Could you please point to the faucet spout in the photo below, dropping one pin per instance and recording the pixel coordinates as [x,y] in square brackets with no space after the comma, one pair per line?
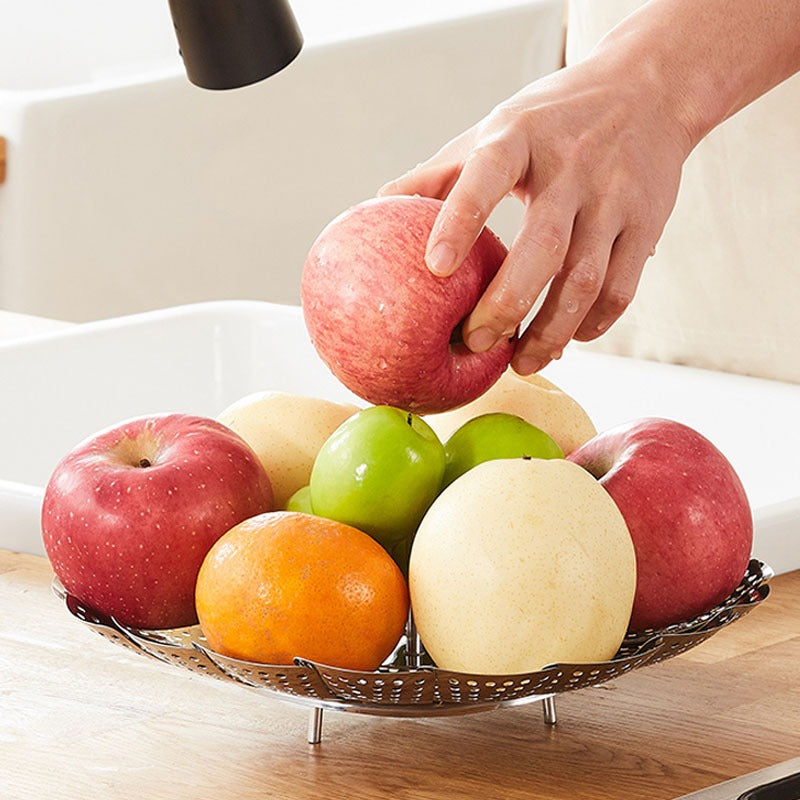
[226,44]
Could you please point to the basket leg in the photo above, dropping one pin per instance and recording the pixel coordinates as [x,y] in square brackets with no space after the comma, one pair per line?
[413,644]
[315,725]
[549,709]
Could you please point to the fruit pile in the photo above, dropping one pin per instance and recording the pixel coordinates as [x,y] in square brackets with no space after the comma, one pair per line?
[294,526]
[512,554]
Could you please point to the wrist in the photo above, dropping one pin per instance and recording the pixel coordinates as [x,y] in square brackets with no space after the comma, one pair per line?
[697,64]
[685,102]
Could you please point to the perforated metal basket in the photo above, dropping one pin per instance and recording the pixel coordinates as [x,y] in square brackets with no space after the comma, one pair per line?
[407,684]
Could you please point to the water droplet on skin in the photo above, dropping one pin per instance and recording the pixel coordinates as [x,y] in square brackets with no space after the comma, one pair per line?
[572,306]
[382,363]
[381,308]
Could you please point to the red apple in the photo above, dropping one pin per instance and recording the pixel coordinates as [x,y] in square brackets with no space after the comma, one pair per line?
[130,513]
[388,328]
[687,512]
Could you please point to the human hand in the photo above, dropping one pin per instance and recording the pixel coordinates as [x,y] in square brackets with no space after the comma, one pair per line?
[595,154]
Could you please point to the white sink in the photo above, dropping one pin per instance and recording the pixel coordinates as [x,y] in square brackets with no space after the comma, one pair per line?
[130,189]
[58,388]
[61,386]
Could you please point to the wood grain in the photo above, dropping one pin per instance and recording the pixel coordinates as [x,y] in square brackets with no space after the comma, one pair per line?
[81,718]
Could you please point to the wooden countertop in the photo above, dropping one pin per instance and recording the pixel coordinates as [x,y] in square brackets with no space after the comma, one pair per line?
[82,718]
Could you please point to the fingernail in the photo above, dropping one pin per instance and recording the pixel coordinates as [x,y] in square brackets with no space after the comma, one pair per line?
[442,259]
[527,365]
[481,339]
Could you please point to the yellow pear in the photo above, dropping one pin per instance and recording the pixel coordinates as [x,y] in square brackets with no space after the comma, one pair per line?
[531,397]
[521,563]
[286,431]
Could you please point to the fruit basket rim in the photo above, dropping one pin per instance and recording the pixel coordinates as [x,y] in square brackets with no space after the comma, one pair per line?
[400,688]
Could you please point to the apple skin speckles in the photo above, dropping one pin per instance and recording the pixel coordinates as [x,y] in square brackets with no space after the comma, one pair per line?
[687,512]
[129,539]
[385,325]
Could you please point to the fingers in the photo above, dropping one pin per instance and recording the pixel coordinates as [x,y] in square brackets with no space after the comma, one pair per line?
[488,174]
[427,179]
[592,270]
[471,174]
[591,267]
[436,176]
[628,257]
[470,193]
[536,255]
[586,297]
[590,220]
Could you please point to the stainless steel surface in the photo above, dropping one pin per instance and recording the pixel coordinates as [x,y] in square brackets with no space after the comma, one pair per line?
[549,709]
[408,684]
[733,789]
[315,725]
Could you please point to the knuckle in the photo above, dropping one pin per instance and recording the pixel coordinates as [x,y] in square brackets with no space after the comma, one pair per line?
[640,216]
[508,309]
[612,304]
[637,221]
[585,278]
[471,211]
[549,237]
[581,150]
[460,223]
[506,117]
[616,302]
[497,155]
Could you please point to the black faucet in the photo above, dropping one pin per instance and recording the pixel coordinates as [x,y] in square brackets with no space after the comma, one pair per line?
[226,44]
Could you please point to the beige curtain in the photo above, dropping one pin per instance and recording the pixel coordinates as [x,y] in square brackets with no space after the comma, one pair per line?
[723,290]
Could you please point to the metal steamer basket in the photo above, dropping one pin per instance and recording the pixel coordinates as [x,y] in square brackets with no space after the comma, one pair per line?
[408,684]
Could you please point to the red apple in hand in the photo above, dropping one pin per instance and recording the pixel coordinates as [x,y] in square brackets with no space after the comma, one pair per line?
[687,512]
[388,328]
[129,515]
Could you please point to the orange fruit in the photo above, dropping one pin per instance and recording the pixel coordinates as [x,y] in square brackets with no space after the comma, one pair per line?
[286,584]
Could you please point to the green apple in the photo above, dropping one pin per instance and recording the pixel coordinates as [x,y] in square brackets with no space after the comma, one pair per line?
[300,500]
[532,397]
[493,436]
[379,471]
[286,432]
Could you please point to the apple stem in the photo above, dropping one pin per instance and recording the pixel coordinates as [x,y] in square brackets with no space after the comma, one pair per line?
[144,463]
